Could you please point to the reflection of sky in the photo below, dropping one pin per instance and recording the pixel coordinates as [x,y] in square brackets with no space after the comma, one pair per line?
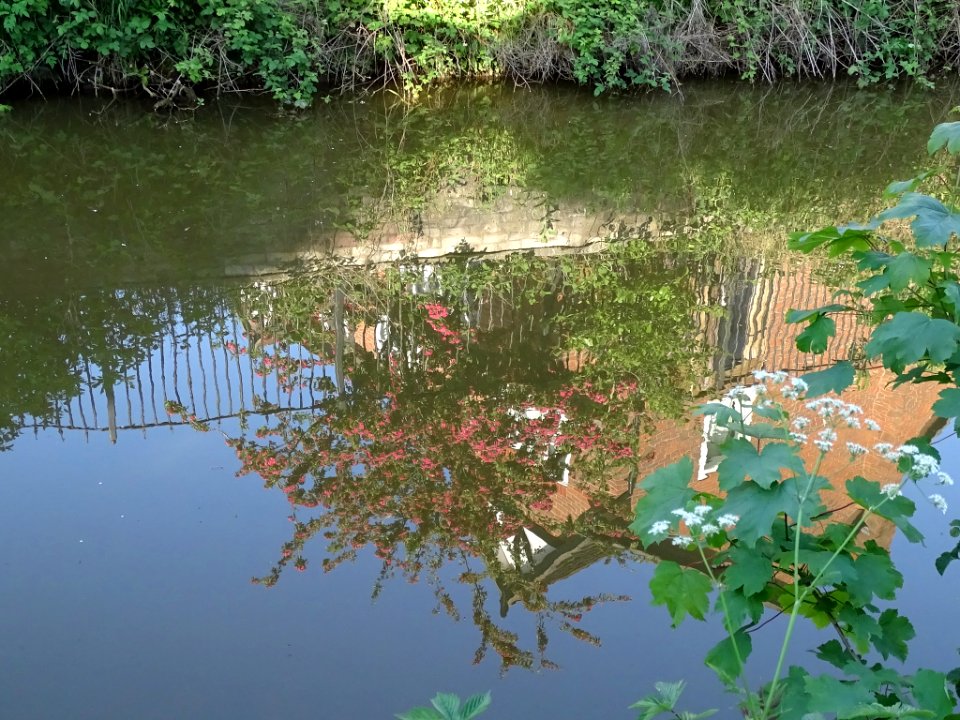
[126,593]
[152,615]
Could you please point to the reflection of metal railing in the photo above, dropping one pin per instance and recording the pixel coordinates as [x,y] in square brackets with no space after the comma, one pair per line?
[188,368]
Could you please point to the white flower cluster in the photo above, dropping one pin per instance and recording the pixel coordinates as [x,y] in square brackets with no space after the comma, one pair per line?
[921,466]
[792,387]
[698,522]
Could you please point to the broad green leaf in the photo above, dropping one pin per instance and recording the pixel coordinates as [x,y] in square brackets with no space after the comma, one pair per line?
[907,268]
[948,405]
[475,705]
[868,495]
[849,236]
[756,507]
[664,701]
[860,626]
[794,700]
[816,335]
[895,632]
[742,460]
[665,490]
[722,658]
[684,591]
[877,576]
[902,186]
[835,653]
[945,135]
[737,609]
[810,505]
[830,695]
[931,692]
[910,336]
[749,570]
[934,222]
[832,571]
[835,379]
[447,704]
[725,415]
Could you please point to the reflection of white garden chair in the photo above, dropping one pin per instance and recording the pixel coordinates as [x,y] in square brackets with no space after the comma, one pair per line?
[714,435]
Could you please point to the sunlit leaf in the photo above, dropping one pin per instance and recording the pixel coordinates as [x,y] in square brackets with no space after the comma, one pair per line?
[447,704]
[475,705]
[945,135]
[934,223]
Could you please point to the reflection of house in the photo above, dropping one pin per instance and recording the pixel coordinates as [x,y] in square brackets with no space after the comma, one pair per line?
[760,339]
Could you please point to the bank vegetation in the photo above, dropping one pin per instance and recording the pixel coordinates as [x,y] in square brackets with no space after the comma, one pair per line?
[296,50]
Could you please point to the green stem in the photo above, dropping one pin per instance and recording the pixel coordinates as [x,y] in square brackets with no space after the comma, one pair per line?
[728,626]
[797,598]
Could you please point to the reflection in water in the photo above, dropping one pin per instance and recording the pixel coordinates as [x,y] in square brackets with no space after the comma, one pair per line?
[491,416]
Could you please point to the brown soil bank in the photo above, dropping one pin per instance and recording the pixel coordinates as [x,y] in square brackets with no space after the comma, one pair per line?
[174,50]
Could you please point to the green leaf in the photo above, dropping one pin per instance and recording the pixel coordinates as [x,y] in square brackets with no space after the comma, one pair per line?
[420,713]
[447,704]
[945,135]
[737,609]
[757,509]
[665,490]
[897,711]
[951,291]
[722,658]
[902,186]
[835,653]
[934,222]
[816,335]
[895,632]
[684,591]
[741,460]
[810,505]
[868,495]
[907,268]
[910,336]
[664,701]
[948,405]
[835,379]
[931,692]
[846,237]
[749,570]
[796,316]
[475,705]
[876,575]
[829,695]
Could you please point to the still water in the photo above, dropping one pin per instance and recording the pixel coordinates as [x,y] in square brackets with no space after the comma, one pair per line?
[315,416]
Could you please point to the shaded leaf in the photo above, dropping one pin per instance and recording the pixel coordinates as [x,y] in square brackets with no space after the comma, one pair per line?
[749,570]
[910,336]
[475,705]
[948,405]
[722,657]
[816,335]
[945,135]
[867,494]
[684,591]
[835,379]
[931,692]
[665,490]
[895,632]
[827,694]
[742,460]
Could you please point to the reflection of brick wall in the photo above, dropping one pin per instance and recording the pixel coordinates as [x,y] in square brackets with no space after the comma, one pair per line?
[903,413]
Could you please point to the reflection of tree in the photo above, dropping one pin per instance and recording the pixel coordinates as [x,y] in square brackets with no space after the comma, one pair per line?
[54,347]
[440,434]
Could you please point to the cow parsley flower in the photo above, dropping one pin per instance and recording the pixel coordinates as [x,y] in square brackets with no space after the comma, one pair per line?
[681,540]
[939,503]
[709,529]
[891,490]
[660,527]
[692,519]
[800,422]
[922,466]
[856,449]
[798,437]
[872,425]
[727,520]
[702,510]
[944,479]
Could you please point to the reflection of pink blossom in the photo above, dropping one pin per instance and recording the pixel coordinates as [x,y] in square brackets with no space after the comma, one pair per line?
[436,311]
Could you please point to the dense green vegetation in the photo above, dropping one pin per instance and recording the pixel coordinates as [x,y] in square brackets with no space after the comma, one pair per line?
[294,48]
